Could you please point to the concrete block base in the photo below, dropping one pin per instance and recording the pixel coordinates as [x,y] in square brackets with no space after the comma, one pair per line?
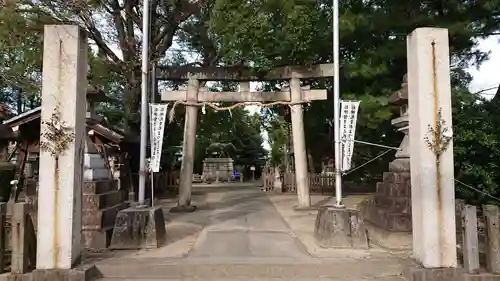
[183,209]
[340,228]
[97,239]
[139,228]
[434,274]
[16,277]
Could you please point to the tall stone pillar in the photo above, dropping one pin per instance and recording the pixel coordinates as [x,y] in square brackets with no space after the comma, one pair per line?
[62,147]
[188,150]
[432,178]
[299,145]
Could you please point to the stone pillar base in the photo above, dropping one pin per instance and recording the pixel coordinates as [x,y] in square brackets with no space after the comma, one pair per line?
[139,228]
[340,228]
[434,274]
[391,240]
[183,209]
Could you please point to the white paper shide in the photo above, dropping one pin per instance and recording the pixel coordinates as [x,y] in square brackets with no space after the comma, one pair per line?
[157,117]
[348,119]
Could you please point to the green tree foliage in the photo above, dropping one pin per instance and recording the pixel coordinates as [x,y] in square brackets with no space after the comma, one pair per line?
[114,27]
[20,60]
[234,133]
[373,62]
[476,146]
[278,137]
[265,34]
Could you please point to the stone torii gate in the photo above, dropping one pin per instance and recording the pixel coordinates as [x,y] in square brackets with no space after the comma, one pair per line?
[193,96]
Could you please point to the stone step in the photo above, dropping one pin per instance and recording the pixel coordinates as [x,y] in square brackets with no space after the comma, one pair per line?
[387,219]
[395,204]
[94,161]
[397,177]
[102,218]
[394,189]
[96,202]
[234,268]
[99,186]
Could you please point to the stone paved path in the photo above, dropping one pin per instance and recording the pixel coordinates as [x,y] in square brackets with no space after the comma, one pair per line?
[239,234]
[250,227]
[272,279]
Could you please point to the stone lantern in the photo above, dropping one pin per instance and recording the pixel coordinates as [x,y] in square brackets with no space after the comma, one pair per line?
[94,96]
[390,207]
[95,166]
[400,99]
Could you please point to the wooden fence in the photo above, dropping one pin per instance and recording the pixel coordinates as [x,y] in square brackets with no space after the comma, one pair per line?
[318,183]
[167,183]
[478,238]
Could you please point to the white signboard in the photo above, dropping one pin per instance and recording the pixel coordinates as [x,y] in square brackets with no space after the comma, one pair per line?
[157,118]
[348,118]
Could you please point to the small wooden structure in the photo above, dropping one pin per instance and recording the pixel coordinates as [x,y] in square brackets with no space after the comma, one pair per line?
[102,198]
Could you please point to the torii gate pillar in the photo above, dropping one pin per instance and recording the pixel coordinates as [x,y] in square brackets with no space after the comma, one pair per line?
[188,150]
[299,145]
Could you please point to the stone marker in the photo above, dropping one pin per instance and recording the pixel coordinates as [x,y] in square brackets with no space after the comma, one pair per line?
[340,228]
[61,155]
[139,229]
[432,175]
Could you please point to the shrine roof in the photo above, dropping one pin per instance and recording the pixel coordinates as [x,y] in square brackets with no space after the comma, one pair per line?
[35,114]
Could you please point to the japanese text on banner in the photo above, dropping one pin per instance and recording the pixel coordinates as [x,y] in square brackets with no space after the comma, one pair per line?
[157,117]
[348,118]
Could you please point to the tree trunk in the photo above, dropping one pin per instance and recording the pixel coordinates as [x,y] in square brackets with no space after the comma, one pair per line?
[19,100]
[132,104]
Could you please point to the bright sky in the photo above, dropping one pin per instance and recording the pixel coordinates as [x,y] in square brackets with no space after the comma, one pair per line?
[487,75]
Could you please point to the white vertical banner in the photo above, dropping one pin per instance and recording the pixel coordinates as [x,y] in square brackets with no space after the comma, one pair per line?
[157,118]
[348,119]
